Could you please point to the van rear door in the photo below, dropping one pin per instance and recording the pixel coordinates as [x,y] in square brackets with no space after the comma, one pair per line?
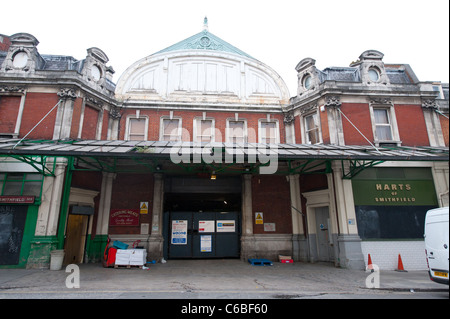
[436,244]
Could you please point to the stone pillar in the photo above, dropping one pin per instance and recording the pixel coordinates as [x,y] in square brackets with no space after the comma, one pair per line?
[289,121]
[247,239]
[20,113]
[52,188]
[299,246]
[63,121]
[156,240]
[440,172]
[45,239]
[105,203]
[113,124]
[350,252]
[432,122]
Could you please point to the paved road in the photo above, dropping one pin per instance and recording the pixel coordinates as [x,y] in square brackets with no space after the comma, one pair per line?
[216,279]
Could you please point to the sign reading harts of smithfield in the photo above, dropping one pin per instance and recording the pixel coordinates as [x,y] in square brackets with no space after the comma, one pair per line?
[124,217]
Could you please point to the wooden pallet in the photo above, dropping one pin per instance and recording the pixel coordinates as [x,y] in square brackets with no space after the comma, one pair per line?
[128,266]
[260,262]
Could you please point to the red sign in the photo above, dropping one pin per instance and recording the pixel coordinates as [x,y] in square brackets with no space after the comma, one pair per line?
[124,217]
[16,199]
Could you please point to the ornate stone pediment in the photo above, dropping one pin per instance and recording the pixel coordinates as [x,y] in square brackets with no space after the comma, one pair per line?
[429,103]
[332,101]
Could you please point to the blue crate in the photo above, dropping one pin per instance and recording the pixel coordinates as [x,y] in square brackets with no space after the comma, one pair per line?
[260,262]
[119,245]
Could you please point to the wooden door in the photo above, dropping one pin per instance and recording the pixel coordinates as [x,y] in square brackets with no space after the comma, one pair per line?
[75,239]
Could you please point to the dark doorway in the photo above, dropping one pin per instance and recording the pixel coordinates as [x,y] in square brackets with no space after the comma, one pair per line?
[202,217]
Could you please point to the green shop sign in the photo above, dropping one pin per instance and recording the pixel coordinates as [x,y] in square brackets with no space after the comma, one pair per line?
[394,192]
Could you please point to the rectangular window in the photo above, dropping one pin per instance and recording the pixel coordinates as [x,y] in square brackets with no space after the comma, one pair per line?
[171,130]
[17,184]
[268,132]
[236,132]
[204,130]
[383,128]
[136,129]
[312,129]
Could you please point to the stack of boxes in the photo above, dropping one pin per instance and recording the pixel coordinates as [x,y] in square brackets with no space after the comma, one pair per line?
[131,257]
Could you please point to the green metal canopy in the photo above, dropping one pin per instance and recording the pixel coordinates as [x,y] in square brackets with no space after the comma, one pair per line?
[189,157]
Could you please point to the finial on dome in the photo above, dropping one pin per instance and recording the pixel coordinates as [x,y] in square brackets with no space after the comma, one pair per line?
[205,24]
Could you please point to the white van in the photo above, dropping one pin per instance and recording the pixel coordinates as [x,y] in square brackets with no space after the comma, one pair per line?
[436,244]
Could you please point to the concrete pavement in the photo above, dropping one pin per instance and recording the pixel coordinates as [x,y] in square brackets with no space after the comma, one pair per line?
[218,279]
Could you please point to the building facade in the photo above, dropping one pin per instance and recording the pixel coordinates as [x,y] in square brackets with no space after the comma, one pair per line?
[199,151]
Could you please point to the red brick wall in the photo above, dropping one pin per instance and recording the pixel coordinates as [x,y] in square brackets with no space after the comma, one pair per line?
[271,196]
[298,130]
[324,127]
[139,188]
[105,125]
[4,43]
[359,115]
[188,120]
[445,128]
[9,108]
[76,118]
[411,125]
[35,108]
[89,123]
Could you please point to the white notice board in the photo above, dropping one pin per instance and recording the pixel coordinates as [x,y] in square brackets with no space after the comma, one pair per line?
[206,226]
[226,226]
[205,243]
[179,232]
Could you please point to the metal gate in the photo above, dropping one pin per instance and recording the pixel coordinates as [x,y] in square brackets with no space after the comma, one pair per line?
[12,225]
[203,235]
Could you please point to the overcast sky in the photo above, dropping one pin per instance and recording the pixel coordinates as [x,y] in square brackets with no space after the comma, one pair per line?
[278,33]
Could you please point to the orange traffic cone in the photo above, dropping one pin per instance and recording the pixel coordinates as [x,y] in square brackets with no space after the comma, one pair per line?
[400,264]
[369,264]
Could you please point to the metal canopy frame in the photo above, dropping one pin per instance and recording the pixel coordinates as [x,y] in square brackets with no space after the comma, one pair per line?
[153,156]
[38,162]
[356,167]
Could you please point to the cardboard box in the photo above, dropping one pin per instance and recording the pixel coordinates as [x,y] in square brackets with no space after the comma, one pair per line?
[285,259]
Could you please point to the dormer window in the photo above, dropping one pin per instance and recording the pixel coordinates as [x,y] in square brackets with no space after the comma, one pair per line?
[20,59]
[96,73]
[307,80]
[374,75]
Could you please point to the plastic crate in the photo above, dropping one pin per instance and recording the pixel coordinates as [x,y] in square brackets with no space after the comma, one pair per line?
[119,245]
[260,262]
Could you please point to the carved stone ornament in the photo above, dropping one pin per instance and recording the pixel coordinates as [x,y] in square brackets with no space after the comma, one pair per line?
[289,118]
[11,89]
[114,113]
[332,101]
[204,43]
[309,108]
[429,103]
[67,93]
[381,101]
[94,101]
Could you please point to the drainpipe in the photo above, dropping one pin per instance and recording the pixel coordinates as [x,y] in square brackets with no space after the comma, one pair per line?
[65,202]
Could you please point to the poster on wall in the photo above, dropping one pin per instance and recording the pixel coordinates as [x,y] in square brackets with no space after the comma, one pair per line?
[206,226]
[124,217]
[206,243]
[179,232]
[226,226]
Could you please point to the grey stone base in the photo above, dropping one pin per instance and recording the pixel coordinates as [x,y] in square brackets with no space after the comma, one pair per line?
[350,252]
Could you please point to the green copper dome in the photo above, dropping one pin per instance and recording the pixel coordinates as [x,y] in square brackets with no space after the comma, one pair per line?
[205,40]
